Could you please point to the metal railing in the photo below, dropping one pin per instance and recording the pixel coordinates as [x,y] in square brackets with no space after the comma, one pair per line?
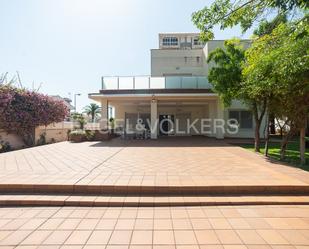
[147,82]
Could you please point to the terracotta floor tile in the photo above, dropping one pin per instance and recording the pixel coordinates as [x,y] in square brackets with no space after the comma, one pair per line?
[219,223]
[185,237]
[206,237]
[200,223]
[180,224]
[187,247]
[78,237]
[35,238]
[99,237]
[141,237]
[250,237]
[32,224]
[14,238]
[272,237]
[87,224]
[117,247]
[162,224]
[120,237]
[51,224]
[125,224]
[94,246]
[57,237]
[143,224]
[258,223]
[140,247]
[163,237]
[228,237]
[163,247]
[106,224]
[211,247]
[69,224]
[294,237]
[234,247]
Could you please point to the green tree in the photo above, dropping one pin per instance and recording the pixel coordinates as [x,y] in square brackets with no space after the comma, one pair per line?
[93,110]
[79,117]
[277,67]
[228,13]
[226,78]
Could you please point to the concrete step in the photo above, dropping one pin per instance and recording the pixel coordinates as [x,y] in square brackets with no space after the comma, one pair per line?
[146,201]
[70,189]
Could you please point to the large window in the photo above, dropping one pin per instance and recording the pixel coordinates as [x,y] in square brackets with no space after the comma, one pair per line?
[244,118]
[170,41]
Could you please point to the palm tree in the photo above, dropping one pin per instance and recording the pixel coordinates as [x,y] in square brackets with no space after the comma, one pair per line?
[92,110]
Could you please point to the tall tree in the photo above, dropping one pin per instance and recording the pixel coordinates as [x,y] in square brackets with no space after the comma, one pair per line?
[228,13]
[277,66]
[226,77]
[93,110]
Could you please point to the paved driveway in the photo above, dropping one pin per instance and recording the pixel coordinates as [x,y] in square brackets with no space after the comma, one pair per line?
[164,162]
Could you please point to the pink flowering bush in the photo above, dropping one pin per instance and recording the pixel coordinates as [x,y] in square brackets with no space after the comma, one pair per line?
[21,111]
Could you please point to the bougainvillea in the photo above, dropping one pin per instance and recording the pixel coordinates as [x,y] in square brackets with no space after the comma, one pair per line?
[21,111]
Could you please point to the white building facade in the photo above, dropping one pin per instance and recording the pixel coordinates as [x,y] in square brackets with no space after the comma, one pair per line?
[177,99]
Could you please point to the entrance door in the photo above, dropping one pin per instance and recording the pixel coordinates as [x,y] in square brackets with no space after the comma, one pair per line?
[166,125]
[182,122]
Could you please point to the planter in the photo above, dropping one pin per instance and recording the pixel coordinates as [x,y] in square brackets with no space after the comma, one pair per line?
[77,138]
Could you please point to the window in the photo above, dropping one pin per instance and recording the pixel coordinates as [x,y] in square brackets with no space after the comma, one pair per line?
[170,41]
[197,41]
[244,118]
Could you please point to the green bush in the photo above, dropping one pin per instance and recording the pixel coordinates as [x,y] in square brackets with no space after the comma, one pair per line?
[81,135]
[89,135]
[5,146]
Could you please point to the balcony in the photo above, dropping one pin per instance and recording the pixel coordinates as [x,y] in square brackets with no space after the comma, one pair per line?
[146,82]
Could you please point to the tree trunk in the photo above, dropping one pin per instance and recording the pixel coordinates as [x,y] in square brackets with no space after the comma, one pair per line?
[285,141]
[284,144]
[272,124]
[302,145]
[257,136]
[267,136]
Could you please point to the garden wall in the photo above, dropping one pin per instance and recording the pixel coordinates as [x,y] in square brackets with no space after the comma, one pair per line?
[14,140]
[57,132]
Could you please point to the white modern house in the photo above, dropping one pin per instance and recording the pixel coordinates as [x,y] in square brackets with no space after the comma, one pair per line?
[177,99]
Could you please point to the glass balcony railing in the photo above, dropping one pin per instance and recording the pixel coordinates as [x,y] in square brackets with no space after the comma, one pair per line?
[145,82]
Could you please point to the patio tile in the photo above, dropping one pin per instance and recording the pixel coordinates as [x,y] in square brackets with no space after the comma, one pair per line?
[163,237]
[185,237]
[228,237]
[57,237]
[78,238]
[120,237]
[162,224]
[272,237]
[206,237]
[141,237]
[99,237]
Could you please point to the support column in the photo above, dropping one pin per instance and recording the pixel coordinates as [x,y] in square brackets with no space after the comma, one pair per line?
[104,115]
[219,122]
[154,119]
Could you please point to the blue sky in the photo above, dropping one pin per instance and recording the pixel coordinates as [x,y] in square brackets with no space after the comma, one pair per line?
[67,45]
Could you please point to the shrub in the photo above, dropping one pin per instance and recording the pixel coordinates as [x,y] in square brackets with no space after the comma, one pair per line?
[81,135]
[5,146]
[42,139]
[22,110]
[90,135]
[80,119]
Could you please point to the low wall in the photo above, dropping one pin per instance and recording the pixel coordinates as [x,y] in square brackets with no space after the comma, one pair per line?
[57,132]
[14,140]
